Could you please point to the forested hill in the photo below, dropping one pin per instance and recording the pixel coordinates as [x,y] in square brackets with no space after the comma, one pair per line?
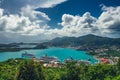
[88,40]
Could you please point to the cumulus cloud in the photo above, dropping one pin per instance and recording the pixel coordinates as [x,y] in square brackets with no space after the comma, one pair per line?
[23,21]
[107,24]
[25,27]
[32,14]
[18,4]
[29,24]
[79,25]
[23,24]
[109,21]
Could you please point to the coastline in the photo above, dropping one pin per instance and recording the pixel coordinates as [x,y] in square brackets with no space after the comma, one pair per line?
[96,58]
[55,54]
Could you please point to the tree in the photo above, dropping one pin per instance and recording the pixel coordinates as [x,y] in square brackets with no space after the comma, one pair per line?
[118,67]
[30,71]
[73,71]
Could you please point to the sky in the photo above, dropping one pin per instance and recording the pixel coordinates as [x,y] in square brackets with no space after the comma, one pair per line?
[40,20]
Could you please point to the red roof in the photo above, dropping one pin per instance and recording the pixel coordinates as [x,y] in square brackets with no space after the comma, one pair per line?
[105,60]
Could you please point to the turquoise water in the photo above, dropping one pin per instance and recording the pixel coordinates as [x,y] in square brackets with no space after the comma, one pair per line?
[61,53]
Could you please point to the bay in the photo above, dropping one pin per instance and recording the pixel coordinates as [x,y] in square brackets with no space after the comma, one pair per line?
[61,53]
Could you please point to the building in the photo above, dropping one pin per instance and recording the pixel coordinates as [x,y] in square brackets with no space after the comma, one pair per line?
[105,60]
[102,55]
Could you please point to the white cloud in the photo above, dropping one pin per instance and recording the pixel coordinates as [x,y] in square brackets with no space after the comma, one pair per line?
[109,21]
[23,21]
[78,25]
[18,4]
[30,25]
[48,3]
[25,27]
[28,11]
[1,12]
[23,24]
[107,24]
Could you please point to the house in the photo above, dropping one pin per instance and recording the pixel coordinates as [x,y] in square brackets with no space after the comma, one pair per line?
[102,55]
[105,60]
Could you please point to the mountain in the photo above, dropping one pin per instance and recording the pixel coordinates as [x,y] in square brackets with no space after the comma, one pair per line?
[87,41]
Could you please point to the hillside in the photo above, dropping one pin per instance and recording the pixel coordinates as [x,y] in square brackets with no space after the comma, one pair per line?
[21,69]
[87,41]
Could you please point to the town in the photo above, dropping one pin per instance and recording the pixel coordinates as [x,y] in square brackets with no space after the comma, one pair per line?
[102,55]
[52,61]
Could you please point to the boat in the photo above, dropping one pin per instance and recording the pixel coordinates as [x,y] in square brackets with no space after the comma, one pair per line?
[27,55]
[49,59]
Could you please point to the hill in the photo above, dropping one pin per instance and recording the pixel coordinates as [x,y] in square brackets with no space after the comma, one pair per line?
[85,41]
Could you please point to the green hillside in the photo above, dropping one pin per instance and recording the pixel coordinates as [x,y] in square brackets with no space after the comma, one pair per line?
[85,41]
[28,70]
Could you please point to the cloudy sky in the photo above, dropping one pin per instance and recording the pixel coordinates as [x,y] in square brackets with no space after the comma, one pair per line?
[36,20]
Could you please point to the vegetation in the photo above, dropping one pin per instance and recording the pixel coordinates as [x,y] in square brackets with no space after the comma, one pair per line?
[113,53]
[20,69]
[16,47]
[88,41]
[108,53]
[10,49]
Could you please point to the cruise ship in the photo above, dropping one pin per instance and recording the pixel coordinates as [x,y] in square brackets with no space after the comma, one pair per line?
[27,55]
[49,59]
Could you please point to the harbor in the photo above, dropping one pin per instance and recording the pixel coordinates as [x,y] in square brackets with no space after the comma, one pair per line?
[61,53]
[53,61]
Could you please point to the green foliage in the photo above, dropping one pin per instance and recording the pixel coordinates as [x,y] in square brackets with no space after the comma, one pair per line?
[29,70]
[114,53]
[87,41]
[118,67]
[100,72]
[73,71]
[116,78]
[8,69]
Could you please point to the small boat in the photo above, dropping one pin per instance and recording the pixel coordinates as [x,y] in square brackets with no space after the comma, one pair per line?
[89,59]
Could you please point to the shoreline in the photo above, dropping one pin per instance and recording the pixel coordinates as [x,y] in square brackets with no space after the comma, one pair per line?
[57,47]
[96,58]
[17,49]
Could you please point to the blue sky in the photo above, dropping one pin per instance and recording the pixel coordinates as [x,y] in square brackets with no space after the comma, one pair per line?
[37,20]
[76,7]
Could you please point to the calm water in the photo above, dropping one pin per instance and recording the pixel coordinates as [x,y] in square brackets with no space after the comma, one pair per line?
[61,53]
